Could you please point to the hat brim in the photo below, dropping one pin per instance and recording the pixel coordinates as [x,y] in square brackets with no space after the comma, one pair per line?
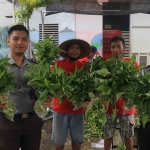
[85,47]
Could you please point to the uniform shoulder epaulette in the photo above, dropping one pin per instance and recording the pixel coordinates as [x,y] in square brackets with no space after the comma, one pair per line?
[33,60]
[147,66]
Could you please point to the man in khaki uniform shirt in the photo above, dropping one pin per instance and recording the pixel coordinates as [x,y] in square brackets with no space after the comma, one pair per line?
[25,132]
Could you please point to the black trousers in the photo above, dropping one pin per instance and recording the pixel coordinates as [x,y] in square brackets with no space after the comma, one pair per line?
[23,133]
[144,137]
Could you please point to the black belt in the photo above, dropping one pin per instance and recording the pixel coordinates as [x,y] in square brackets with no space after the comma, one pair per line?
[25,115]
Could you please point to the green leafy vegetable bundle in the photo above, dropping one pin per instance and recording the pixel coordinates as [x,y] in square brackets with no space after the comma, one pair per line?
[6,84]
[47,51]
[48,83]
[142,96]
[96,119]
[44,80]
[55,82]
[114,79]
[121,147]
[81,84]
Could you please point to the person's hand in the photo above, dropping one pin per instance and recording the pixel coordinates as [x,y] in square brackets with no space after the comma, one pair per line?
[3,103]
[48,102]
[135,113]
[86,103]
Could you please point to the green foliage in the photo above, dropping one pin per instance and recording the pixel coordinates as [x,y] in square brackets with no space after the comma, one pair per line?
[47,50]
[29,6]
[6,79]
[121,147]
[55,82]
[143,99]
[10,110]
[6,84]
[137,121]
[48,82]
[81,84]
[96,119]
[115,78]
[105,80]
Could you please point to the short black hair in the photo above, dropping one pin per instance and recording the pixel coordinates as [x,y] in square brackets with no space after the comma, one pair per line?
[117,38]
[16,28]
[94,49]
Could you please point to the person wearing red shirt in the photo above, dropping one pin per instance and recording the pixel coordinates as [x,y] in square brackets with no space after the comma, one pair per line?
[90,57]
[65,117]
[126,117]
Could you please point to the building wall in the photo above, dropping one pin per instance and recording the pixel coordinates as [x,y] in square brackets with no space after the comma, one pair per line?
[87,27]
[117,25]
[140,33]
[139,37]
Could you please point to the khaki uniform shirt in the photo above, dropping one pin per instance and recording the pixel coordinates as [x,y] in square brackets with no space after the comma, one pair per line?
[21,95]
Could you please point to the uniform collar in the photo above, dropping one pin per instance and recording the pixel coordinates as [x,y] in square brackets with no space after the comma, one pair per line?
[12,61]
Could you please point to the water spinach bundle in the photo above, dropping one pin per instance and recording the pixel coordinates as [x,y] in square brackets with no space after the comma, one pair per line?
[142,96]
[6,84]
[81,83]
[115,79]
[52,81]
[41,78]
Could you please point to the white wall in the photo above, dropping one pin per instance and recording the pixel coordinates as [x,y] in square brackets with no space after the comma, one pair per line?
[88,26]
[140,33]
[5,10]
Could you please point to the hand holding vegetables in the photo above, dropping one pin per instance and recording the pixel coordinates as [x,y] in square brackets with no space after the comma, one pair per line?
[3,102]
[48,102]
[6,84]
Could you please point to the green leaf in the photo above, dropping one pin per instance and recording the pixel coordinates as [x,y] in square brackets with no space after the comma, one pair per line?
[39,108]
[147,94]
[91,95]
[109,92]
[46,83]
[118,95]
[103,88]
[145,118]
[103,72]
[114,114]
[133,58]
[44,95]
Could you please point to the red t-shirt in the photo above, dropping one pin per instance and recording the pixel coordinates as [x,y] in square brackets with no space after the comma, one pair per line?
[67,107]
[85,59]
[120,103]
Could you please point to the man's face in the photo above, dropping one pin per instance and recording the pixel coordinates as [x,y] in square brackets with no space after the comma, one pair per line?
[74,50]
[18,42]
[117,49]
